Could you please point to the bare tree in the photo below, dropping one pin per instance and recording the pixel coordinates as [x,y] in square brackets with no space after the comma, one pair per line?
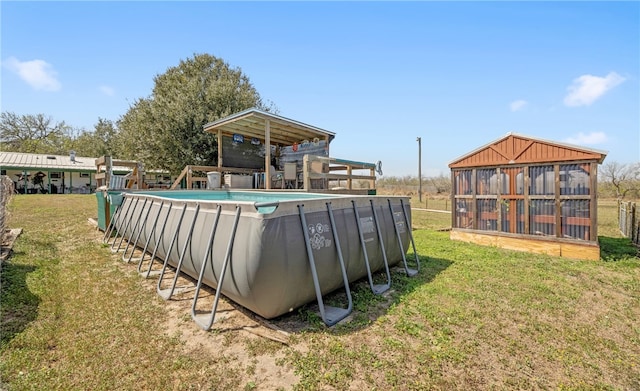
[442,184]
[624,178]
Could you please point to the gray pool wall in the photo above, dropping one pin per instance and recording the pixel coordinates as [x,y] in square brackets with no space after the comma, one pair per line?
[269,271]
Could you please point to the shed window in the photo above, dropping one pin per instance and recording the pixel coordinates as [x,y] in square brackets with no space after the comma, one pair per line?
[486,181]
[576,219]
[512,181]
[464,213]
[487,215]
[542,180]
[462,182]
[574,179]
[512,212]
[542,217]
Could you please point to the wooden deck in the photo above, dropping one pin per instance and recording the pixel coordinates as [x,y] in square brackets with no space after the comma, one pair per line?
[318,174]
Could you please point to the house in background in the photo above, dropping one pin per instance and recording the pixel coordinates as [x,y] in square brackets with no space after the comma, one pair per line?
[34,173]
[54,174]
[529,194]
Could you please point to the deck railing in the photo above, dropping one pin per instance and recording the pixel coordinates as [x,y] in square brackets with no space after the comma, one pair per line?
[318,174]
[190,175]
[333,174]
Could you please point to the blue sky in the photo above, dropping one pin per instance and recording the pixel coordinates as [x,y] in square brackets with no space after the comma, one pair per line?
[378,74]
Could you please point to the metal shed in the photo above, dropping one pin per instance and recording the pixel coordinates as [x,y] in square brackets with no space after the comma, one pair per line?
[525,193]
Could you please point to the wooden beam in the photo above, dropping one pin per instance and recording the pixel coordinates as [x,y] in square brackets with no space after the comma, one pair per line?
[576,250]
[527,146]
[179,178]
[499,152]
[220,148]
[267,157]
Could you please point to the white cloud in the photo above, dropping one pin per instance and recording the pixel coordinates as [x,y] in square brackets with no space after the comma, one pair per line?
[38,74]
[517,105]
[109,91]
[586,89]
[592,138]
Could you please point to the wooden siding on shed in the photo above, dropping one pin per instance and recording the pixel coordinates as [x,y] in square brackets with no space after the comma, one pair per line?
[518,149]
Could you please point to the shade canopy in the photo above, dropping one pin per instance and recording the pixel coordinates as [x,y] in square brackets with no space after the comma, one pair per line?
[252,123]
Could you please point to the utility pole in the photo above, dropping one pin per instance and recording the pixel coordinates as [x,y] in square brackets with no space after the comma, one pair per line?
[419,140]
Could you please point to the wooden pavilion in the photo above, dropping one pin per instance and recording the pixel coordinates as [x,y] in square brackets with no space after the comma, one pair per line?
[525,193]
[270,133]
[261,150]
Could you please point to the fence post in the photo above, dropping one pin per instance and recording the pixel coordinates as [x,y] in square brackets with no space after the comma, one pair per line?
[633,221]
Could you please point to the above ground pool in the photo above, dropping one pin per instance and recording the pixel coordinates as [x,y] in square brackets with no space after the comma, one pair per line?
[273,251]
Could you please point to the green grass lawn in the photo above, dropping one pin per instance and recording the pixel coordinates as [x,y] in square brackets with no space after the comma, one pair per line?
[75,317]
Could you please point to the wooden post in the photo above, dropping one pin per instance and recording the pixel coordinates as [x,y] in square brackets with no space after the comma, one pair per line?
[176,183]
[306,168]
[372,183]
[474,200]
[139,178]
[630,213]
[219,148]
[593,204]
[635,226]
[267,155]
[556,173]
[453,198]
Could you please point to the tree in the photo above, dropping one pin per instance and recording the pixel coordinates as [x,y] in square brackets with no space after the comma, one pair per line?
[441,184]
[624,178]
[165,130]
[102,141]
[33,134]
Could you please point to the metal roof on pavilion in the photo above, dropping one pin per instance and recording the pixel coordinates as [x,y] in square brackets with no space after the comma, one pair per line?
[264,126]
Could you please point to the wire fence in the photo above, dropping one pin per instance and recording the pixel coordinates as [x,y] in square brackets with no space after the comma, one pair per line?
[628,221]
[6,191]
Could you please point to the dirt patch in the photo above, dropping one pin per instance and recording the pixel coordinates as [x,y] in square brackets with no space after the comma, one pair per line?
[255,345]
[8,239]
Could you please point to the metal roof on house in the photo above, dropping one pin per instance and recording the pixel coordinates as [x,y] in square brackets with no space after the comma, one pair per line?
[518,148]
[252,123]
[46,162]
